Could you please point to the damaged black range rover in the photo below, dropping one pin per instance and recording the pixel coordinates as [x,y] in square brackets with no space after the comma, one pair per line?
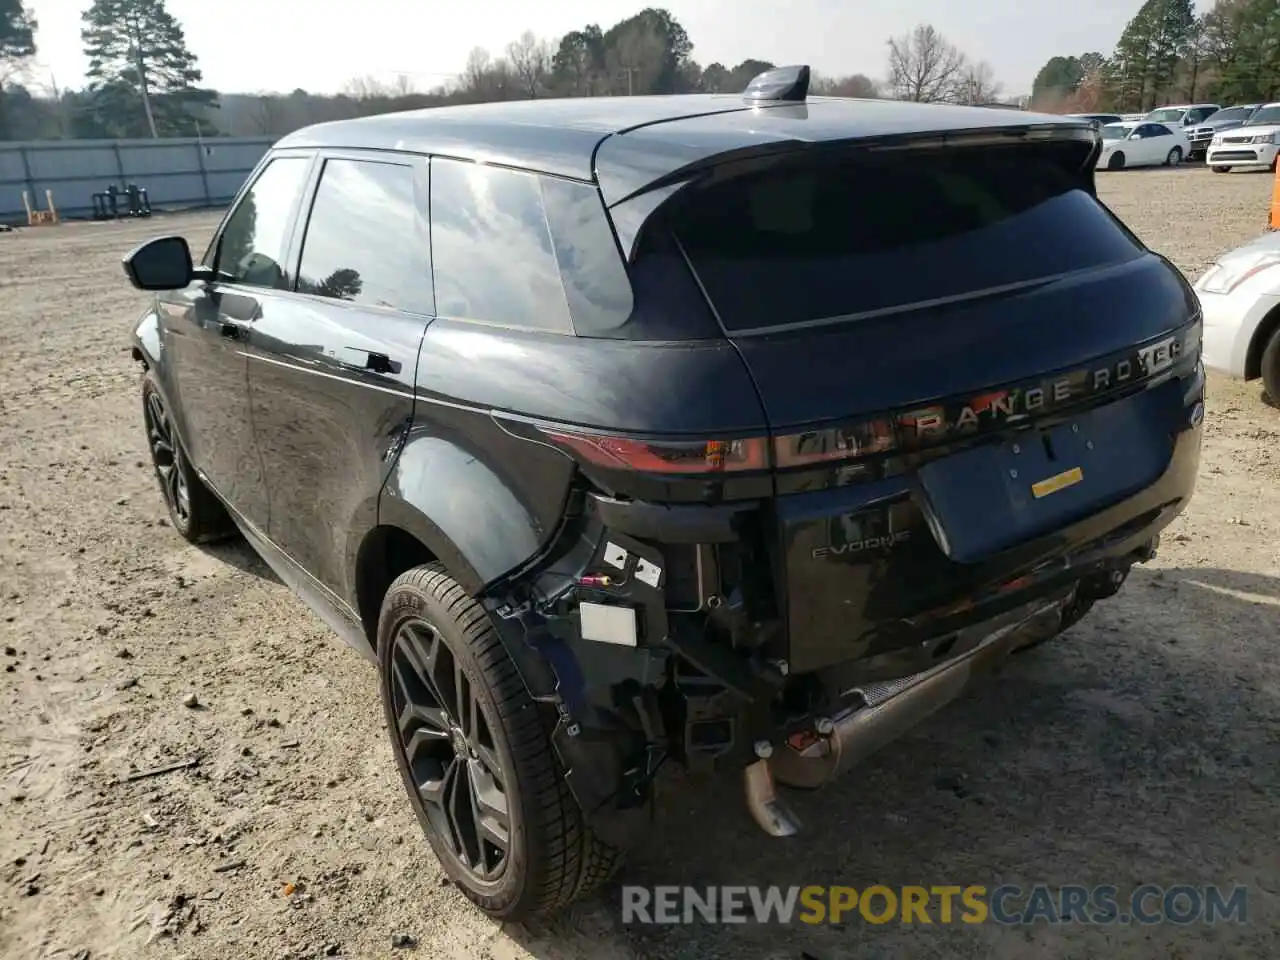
[733,431]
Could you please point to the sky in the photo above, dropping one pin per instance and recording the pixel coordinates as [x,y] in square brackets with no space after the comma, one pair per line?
[249,46]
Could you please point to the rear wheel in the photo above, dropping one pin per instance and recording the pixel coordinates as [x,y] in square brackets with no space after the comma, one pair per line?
[193,510]
[1271,367]
[475,755]
[1174,158]
[1116,162]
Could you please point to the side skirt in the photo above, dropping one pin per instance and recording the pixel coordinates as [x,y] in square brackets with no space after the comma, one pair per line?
[330,608]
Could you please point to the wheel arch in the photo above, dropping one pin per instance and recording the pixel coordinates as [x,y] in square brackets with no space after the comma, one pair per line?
[1262,333]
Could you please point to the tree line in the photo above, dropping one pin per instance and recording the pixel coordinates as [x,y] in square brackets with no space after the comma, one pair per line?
[143,81]
[1167,53]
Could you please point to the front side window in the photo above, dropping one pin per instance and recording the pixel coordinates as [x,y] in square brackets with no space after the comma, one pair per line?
[491,248]
[362,243]
[251,247]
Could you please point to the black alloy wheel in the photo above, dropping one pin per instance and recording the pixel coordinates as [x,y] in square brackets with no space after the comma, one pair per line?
[448,744]
[194,512]
[474,751]
[167,457]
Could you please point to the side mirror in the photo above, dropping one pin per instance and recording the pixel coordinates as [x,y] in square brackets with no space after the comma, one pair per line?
[160,264]
[1135,136]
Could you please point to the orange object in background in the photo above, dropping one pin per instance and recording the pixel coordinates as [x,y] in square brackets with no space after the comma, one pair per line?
[1275,201]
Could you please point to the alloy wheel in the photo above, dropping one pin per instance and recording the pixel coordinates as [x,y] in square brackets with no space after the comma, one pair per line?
[449,748]
[167,457]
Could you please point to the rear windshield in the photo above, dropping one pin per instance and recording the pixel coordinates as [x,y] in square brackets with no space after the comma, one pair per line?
[858,236]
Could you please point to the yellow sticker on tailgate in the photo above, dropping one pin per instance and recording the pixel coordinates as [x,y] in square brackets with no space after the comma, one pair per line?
[1059,481]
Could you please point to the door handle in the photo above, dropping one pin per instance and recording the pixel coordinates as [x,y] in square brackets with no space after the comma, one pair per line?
[377,362]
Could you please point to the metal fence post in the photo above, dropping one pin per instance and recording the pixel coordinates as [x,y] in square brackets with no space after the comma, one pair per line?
[204,172]
[28,181]
[115,148]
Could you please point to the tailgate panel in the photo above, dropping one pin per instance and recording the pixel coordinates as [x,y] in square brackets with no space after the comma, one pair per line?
[991,497]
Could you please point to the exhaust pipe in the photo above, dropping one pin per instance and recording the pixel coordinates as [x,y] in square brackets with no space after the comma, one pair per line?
[891,708]
[769,811]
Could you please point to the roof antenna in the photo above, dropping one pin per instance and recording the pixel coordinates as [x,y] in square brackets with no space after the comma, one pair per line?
[780,85]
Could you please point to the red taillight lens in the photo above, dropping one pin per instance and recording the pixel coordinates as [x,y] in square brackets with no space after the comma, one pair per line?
[836,443]
[665,456]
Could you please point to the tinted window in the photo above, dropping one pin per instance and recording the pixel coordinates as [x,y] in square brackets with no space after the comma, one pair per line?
[491,249]
[830,242]
[595,280]
[361,242]
[251,248]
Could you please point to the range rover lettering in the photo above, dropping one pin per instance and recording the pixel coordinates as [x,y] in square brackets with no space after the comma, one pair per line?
[735,432]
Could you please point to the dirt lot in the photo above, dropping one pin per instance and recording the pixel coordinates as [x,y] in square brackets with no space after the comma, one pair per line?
[1143,748]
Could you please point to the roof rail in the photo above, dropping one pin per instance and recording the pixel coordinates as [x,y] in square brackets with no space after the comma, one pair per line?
[782,84]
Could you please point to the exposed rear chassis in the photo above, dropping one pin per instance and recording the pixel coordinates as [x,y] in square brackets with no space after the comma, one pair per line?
[886,710]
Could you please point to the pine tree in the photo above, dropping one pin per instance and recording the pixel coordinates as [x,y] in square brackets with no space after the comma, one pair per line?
[143,77]
[17,32]
[1142,70]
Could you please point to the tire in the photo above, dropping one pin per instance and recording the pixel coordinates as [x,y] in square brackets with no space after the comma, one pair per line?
[1271,367]
[1174,158]
[194,511]
[437,650]
[1219,168]
[1116,162]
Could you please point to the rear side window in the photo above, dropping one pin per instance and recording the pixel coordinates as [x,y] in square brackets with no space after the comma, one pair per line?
[491,248]
[251,248]
[361,242]
[830,242]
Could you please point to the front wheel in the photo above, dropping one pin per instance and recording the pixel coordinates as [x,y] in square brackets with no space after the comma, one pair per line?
[1174,158]
[476,757]
[1116,162]
[1220,168]
[1271,367]
[193,510]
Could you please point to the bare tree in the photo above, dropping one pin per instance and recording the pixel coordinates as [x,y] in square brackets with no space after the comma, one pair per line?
[977,84]
[267,117]
[475,74]
[855,85]
[530,60]
[924,66]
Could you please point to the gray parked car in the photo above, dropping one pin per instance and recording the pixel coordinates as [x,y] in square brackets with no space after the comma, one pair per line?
[1228,118]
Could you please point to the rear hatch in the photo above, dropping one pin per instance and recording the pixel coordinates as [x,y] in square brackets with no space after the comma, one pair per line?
[967,364]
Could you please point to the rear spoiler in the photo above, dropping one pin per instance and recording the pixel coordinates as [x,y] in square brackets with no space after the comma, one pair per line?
[638,205]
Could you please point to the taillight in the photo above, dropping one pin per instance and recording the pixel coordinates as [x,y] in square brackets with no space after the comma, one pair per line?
[665,456]
[701,457]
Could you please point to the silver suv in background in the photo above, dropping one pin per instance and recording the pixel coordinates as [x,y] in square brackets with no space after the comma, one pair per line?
[1228,118]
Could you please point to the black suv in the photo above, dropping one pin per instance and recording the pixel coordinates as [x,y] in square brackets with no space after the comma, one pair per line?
[738,431]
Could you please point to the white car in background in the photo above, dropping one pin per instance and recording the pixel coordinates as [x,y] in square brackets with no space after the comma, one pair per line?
[1254,145]
[1142,144]
[1240,297]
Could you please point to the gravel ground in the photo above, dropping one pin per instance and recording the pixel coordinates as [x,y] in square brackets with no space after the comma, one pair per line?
[1142,748]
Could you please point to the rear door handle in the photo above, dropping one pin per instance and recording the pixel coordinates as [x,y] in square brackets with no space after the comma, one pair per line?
[377,362]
